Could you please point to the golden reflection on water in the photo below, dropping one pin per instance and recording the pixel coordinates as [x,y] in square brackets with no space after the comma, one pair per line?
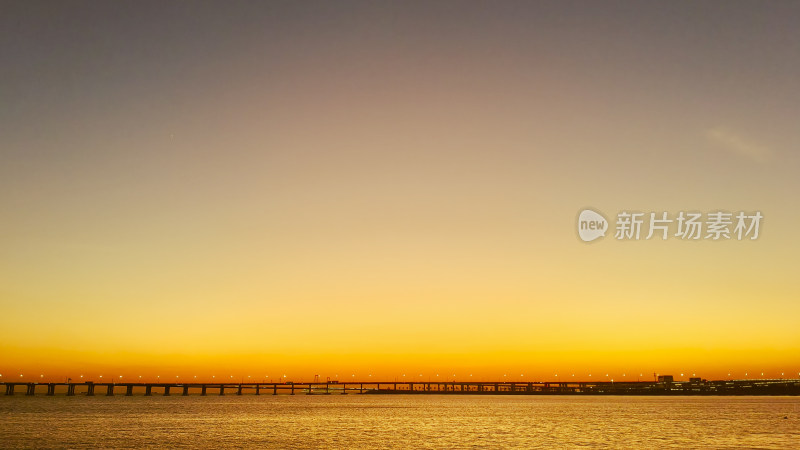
[399,421]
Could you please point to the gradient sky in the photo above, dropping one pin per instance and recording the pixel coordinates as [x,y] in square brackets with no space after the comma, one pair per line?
[355,188]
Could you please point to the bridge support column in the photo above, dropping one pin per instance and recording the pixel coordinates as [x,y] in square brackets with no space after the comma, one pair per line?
[239,390]
[90,389]
[9,389]
[274,389]
[148,390]
[361,391]
[51,389]
[166,391]
[221,390]
[129,390]
[292,393]
[203,390]
[309,389]
[258,389]
[70,390]
[110,390]
[31,389]
[185,390]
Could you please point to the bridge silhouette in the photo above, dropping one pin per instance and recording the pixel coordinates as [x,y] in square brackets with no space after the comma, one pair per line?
[693,387]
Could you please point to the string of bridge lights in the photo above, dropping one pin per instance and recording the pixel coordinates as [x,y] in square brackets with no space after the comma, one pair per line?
[403,377]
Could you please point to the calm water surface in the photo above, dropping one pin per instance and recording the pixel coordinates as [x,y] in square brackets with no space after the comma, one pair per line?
[399,421]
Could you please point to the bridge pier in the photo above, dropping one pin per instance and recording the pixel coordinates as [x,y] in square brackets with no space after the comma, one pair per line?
[90,389]
[221,390]
[239,390]
[274,389]
[203,390]
[258,389]
[9,389]
[292,389]
[51,389]
[361,390]
[185,390]
[148,390]
[110,390]
[166,391]
[70,390]
[129,390]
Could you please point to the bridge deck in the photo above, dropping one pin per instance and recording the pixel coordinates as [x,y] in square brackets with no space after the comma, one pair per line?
[718,387]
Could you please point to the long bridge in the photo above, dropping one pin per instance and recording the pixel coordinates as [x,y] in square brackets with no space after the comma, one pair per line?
[695,386]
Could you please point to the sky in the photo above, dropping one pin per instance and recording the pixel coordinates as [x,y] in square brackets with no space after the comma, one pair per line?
[390,189]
